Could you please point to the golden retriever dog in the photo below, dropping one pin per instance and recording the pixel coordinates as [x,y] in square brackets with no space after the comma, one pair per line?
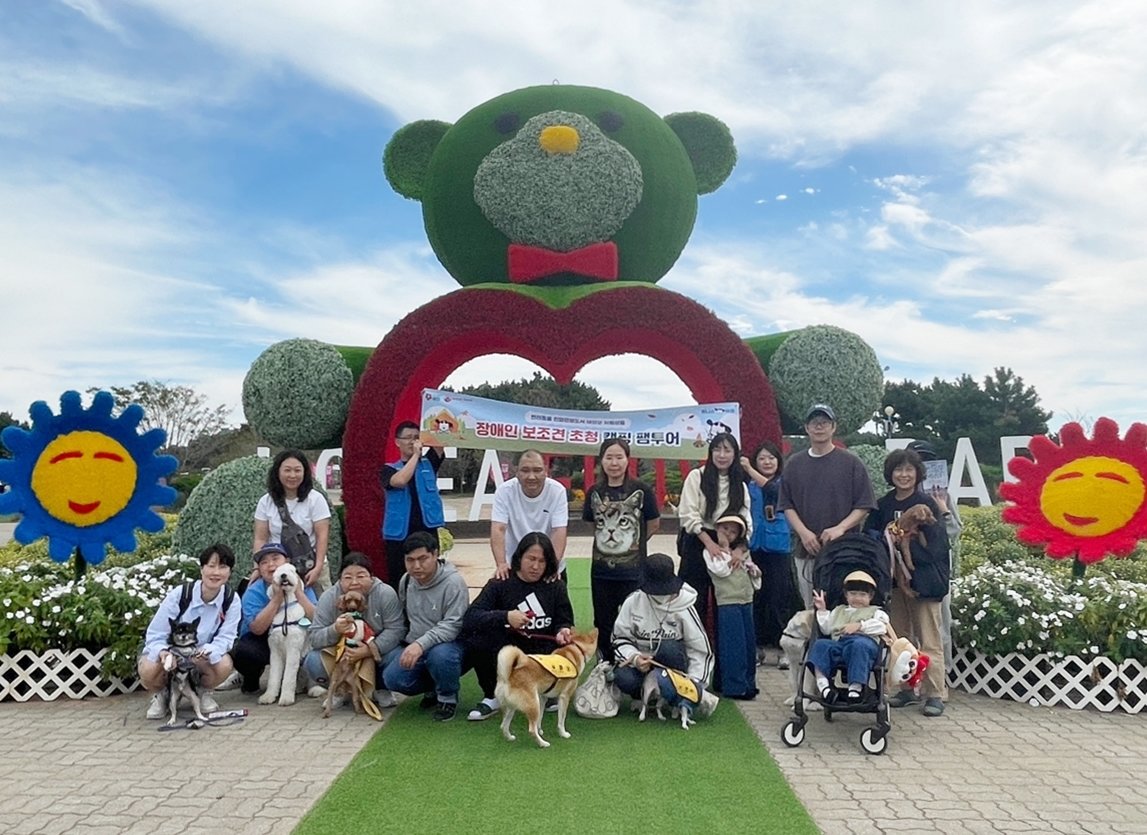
[525,681]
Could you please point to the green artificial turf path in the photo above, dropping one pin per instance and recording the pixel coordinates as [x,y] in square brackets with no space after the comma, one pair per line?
[613,775]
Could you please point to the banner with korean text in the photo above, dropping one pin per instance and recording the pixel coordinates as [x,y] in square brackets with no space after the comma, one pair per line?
[461,420]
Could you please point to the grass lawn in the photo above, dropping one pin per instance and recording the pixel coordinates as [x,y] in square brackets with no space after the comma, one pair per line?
[613,775]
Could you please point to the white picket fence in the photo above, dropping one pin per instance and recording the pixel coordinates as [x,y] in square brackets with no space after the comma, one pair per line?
[56,674]
[1075,682]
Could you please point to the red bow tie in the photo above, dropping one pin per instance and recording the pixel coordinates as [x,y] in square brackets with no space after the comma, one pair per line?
[528,263]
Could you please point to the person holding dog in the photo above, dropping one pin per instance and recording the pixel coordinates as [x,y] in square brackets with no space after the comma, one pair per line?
[526,610]
[261,600]
[218,624]
[658,624]
[412,499]
[915,607]
[434,599]
[291,496]
[383,615]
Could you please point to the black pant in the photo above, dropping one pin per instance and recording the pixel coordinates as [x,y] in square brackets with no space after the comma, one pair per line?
[693,571]
[484,659]
[251,654]
[608,595]
[777,600]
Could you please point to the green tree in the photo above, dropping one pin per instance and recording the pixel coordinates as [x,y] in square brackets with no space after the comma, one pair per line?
[7,420]
[182,412]
[944,411]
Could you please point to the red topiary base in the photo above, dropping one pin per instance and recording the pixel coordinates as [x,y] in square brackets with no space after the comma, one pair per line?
[431,342]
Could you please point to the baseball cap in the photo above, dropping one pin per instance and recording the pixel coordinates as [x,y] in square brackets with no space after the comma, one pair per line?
[925,450]
[270,548]
[820,409]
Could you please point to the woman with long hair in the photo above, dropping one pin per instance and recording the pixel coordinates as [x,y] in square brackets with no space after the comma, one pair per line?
[714,490]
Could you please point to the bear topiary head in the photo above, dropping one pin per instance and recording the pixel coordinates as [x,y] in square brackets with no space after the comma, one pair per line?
[560,185]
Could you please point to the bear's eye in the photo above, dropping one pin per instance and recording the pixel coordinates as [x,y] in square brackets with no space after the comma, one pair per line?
[507,123]
[610,121]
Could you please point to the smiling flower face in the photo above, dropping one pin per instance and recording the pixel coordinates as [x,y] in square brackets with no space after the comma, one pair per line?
[83,478]
[1085,497]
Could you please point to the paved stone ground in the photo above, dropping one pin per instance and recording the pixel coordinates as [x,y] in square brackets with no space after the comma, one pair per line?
[98,766]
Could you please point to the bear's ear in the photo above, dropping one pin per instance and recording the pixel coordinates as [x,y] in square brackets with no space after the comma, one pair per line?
[710,146]
[407,156]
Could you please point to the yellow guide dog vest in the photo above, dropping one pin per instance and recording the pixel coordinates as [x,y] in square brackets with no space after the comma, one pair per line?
[556,665]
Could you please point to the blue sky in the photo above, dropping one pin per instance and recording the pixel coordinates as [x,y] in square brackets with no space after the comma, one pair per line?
[183,184]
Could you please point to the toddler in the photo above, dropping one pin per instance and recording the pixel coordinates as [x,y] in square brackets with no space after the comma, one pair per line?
[735,578]
[855,628]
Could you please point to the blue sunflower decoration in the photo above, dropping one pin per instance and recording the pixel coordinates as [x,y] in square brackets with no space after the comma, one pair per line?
[83,478]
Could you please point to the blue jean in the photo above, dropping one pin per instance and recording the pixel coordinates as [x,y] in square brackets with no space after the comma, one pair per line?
[313,664]
[669,654]
[857,654]
[439,669]
[736,649]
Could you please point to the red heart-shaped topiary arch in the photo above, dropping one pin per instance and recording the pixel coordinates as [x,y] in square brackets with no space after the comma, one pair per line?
[431,342]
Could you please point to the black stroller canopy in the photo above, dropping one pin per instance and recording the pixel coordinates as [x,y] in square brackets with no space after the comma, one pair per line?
[852,552]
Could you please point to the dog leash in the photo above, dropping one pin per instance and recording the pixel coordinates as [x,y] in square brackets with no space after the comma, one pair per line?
[215,719]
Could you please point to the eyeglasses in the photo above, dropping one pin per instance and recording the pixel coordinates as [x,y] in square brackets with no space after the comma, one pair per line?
[820,423]
[409,437]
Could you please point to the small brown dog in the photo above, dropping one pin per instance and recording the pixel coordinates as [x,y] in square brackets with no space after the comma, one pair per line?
[900,534]
[354,631]
[524,680]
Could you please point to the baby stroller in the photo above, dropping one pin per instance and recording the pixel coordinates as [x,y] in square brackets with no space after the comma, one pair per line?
[837,560]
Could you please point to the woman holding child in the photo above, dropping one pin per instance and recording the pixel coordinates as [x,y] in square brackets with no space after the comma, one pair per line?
[717,489]
[916,597]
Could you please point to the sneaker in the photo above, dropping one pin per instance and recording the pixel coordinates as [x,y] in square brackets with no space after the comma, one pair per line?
[384,699]
[317,691]
[854,691]
[207,701]
[445,711]
[482,710]
[231,682]
[783,662]
[429,701]
[551,705]
[157,708]
[903,699]
[933,707]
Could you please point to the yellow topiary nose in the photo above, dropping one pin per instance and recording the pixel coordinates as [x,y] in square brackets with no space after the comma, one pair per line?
[559,139]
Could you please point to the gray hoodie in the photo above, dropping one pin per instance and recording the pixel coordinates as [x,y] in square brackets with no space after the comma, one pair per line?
[435,610]
[383,614]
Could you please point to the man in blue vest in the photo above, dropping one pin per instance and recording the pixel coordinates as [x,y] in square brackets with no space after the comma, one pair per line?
[412,500]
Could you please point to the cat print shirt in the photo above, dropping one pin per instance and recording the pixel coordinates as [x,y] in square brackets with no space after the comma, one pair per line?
[619,515]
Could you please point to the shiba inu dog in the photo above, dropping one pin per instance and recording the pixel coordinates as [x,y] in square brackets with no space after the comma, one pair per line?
[183,677]
[525,680]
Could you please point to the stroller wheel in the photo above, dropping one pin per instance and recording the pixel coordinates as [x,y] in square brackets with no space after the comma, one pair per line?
[873,741]
[792,734]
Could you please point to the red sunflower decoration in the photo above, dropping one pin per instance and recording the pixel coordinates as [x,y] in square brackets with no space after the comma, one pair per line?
[1083,497]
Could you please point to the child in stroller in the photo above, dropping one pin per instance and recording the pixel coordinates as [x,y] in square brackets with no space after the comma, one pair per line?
[844,568]
[856,627]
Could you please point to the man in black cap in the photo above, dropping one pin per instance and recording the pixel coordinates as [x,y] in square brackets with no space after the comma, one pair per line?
[826,492]
[262,598]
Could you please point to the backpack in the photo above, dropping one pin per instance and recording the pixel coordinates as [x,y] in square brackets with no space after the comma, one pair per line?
[185,601]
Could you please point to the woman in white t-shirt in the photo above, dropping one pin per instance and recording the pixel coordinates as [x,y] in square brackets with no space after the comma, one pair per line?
[289,482]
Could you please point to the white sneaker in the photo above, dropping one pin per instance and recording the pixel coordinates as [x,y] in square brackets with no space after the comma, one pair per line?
[207,701]
[231,682]
[384,699]
[157,708]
